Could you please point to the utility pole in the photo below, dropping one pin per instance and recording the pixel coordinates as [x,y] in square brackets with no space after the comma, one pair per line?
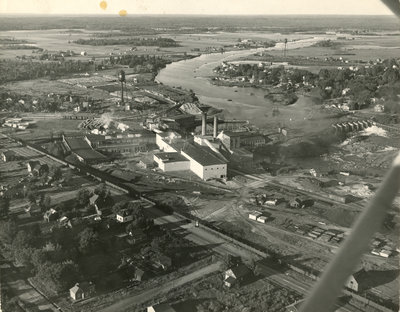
[121,77]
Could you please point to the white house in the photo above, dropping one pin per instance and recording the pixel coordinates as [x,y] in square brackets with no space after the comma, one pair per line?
[171,162]
[124,216]
[81,291]
[235,275]
[354,281]
[254,215]
[162,307]
[204,162]
[262,219]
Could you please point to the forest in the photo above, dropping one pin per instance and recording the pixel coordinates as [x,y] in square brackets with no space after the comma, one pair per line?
[16,70]
[146,42]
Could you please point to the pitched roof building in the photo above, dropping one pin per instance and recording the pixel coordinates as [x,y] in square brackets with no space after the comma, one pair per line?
[81,291]
[235,275]
[162,307]
[204,162]
[8,155]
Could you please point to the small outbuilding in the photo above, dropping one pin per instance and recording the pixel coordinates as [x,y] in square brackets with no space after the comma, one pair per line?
[355,280]
[82,291]
[8,156]
[124,215]
[162,307]
[254,215]
[236,275]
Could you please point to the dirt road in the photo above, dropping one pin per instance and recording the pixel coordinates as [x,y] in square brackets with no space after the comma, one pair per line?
[150,293]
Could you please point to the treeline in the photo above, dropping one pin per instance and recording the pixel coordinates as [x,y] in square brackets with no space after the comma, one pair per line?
[381,80]
[271,76]
[15,70]
[325,44]
[12,41]
[147,42]
[141,63]
[18,47]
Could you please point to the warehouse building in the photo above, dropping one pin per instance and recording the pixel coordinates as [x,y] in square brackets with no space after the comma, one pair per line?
[204,162]
[172,162]
[233,140]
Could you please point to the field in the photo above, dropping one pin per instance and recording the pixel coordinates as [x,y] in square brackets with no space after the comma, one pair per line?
[364,48]
[44,127]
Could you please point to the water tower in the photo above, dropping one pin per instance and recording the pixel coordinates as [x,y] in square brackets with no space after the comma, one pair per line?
[121,77]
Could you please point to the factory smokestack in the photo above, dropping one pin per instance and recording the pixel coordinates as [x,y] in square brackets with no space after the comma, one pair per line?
[203,123]
[215,129]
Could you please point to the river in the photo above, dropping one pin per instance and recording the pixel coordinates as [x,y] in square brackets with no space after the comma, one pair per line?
[246,103]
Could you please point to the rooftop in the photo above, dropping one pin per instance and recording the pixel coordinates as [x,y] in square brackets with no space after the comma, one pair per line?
[89,154]
[242,134]
[170,157]
[202,154]
[163,307]
[95,137]
[240,270]
[77,143]
[9,153]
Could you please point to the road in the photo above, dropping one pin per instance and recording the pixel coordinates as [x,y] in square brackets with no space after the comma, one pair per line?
[147,295]
[202,236]
[199,235]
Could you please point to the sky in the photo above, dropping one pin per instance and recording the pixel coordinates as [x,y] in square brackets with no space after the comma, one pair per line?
[220,7]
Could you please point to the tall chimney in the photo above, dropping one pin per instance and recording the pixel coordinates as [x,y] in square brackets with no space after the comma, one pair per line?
[215,132]
[203,123]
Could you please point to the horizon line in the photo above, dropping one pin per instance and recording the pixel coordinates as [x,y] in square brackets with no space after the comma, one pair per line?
[190,14]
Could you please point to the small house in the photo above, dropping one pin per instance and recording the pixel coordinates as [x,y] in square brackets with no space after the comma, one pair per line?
[262,219]
[254,215]
[140,275]
[146,164]
[97,204]
[236,275]
[32,165]
[163,261]
[36,168]
[82,291]
[8,156]
[355,281]
[296,203]
[162,307]
[136,236]
[124,216]
[50,215]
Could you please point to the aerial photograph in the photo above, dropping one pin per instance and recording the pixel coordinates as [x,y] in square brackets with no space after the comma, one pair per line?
[195,156]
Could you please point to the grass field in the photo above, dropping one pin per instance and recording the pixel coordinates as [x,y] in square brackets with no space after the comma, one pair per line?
[43,129]
[40,87]
[361,48]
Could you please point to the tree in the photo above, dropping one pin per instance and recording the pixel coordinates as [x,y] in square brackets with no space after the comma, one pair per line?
[58,276]
[83,197]
[8,230]
[45,202]
[4,207]
[88,239]
[21,247]
[38,258]
[31,197]
[57,174]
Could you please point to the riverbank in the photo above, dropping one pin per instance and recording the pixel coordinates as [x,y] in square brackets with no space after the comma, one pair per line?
[246,103]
